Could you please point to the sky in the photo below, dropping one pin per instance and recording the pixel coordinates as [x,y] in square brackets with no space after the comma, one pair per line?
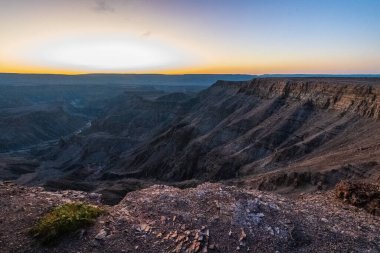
[190,36]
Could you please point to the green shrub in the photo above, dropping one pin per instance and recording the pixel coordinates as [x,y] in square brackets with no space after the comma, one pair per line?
[65,219]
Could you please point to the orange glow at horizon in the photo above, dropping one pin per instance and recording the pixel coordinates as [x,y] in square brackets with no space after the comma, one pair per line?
[306,68]
[189,37]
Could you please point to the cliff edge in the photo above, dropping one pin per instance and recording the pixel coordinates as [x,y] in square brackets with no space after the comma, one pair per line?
[209,218]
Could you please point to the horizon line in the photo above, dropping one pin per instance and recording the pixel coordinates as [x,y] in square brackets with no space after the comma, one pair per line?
[183,74]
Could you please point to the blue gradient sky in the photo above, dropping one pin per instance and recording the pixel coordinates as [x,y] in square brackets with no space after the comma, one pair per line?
[190,36]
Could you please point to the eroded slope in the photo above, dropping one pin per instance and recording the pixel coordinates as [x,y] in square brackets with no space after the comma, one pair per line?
[269,125]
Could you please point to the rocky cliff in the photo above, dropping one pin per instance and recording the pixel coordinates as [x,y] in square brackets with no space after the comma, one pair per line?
[322,129]
[360,96]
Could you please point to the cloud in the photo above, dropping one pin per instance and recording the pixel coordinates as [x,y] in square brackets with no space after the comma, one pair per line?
[146,34]
[103,6]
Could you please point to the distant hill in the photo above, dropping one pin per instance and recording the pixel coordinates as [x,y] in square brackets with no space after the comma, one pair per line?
[118,79]
[321,75]
[200,80]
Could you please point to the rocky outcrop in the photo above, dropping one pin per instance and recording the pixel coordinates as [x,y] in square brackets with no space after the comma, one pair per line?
[209,218]
[362,195]
[361,96]
[21,207]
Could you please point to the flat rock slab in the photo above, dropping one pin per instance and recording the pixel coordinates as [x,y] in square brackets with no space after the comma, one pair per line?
[209,218]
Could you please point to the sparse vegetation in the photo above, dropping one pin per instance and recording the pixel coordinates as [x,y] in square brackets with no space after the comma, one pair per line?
[65,219]
[361,195]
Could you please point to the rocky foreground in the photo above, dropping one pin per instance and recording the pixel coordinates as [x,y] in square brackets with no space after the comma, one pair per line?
[209,218]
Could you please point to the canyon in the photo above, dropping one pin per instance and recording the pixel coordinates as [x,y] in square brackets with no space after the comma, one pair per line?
[279,134]
[238,166]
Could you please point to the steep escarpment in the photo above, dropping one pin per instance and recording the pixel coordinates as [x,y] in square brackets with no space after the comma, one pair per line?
[265,126]
[361,96]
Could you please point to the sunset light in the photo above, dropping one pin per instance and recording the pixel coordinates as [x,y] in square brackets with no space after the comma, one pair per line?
[105,54]
[207,36]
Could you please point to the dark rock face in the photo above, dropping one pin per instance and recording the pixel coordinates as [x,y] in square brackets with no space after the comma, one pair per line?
[360,96]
